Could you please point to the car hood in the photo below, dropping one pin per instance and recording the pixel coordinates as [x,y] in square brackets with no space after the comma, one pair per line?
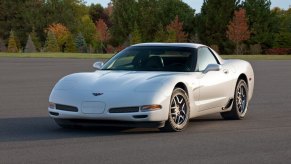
[116,81]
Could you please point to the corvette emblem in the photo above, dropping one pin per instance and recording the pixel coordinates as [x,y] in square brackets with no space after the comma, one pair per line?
[97,94]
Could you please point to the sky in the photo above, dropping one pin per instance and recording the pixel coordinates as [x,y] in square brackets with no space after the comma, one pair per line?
[196,4]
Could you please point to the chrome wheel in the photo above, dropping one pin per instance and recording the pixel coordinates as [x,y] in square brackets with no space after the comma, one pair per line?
[240,103]
[179,109]
[241,99]
[178,113]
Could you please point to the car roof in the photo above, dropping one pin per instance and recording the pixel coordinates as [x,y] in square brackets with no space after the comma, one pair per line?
[190,45]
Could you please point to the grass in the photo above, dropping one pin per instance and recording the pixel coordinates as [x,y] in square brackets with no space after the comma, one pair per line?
[56,55]
[258,57]
[106,56]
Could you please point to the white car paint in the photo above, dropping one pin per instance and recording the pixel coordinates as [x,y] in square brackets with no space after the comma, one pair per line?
[208,92]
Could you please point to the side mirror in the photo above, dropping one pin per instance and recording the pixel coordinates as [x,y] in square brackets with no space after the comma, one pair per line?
[212,67]
[98,65]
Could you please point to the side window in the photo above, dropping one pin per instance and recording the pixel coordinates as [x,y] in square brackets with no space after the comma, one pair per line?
[204,58]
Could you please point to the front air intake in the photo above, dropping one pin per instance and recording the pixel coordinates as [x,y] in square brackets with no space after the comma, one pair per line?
[124,110]
[66,108]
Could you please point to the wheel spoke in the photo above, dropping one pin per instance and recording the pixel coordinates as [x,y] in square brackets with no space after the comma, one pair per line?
[183,109]
[178,120]
[243,91]
[175,103]
[174,116]
[243,96]
[239,107]
[239,91]
[176,99]
[179,101]
[173,108]
[181,119]
[178,109]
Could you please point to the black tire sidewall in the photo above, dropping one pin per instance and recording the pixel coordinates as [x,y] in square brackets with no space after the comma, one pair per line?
[174,126]
[239,114]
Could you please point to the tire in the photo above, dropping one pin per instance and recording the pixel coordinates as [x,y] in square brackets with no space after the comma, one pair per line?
[240,102]
[178,113]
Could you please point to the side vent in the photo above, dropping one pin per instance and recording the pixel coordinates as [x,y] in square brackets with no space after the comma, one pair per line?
[228,104]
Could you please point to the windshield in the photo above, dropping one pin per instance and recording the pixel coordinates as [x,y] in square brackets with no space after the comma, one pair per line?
[153,58]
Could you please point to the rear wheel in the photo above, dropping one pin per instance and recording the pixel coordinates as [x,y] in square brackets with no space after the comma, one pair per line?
[240,104]
[178,113]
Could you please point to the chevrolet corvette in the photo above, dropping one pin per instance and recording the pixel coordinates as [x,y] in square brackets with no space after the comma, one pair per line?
[160,85]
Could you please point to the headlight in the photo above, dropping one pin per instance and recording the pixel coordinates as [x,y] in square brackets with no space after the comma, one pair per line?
[148,108]
[52,105]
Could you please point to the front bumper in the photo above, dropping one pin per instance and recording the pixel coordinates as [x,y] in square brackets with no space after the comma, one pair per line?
[109,123]
[136,116]
[105,102]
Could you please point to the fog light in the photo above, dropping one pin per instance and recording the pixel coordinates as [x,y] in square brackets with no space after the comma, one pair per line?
[147,108]
[52,105]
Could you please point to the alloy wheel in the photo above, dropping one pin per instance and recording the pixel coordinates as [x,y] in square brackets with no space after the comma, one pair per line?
[179,109]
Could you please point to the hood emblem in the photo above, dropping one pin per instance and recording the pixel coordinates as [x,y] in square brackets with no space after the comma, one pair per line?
[97,94]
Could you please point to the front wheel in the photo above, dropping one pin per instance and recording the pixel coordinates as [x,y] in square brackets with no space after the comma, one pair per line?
[178,113]
[240,104]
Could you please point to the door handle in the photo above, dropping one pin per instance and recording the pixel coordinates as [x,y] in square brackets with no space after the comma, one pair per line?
[225,71]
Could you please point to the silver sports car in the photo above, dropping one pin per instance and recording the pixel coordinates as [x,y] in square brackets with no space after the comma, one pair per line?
[154,84]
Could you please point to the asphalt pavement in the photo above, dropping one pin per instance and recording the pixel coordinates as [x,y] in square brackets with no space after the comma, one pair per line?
[28,135]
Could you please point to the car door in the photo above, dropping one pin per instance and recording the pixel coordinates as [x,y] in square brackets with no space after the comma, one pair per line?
[213,89]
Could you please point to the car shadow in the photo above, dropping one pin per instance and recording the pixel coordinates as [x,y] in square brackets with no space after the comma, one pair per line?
[207,118]
[44,128]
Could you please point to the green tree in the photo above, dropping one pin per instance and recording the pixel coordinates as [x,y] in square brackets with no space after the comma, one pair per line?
[12,45]
[23,15]
[30,47]
[88,29]
[124,16]
[169,9]
[2,46]
[147,19]
[282,40]
[148,14]
[96,12]
[71,13]
[238,29]
[103,34]
[175,31]
[282,36]
[213,20]
[33,22]
[19,16]
[171,36]
[35,39]
[135,35]
[261,21]
[81,43]
[61,33]
[161,35]
[51,44]
[70,45]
